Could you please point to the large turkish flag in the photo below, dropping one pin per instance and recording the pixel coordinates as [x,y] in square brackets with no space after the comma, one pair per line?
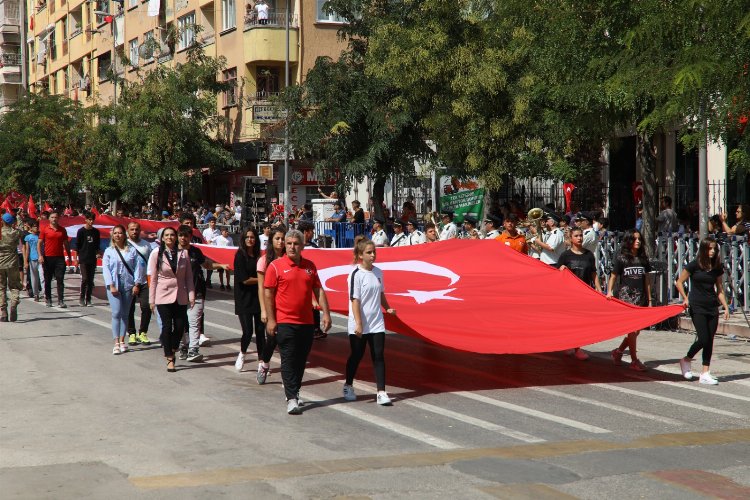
[481,296]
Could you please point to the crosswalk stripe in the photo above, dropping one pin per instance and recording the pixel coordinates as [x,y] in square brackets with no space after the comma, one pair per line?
[609,406]
[655,397]
[526,411]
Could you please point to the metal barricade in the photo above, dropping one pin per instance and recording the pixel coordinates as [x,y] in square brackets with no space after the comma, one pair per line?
[339,234]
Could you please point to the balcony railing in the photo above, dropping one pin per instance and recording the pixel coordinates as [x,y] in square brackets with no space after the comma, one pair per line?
[10,59]
[41,5]
[262,96]
[276,19]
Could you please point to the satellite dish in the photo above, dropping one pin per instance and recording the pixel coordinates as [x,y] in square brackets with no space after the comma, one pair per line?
[146,51]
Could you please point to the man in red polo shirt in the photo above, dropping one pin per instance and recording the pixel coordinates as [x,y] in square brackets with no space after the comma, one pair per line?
[53,239]
[290,283]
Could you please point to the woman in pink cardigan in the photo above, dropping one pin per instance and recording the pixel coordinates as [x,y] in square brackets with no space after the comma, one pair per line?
[171,291]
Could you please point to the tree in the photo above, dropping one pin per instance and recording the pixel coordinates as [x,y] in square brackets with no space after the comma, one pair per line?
[345,119]
[39,150]
[164,125]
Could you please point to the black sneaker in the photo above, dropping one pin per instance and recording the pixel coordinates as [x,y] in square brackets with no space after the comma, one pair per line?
[194,356]
[184,353]
[229,288]
[221,287]
[209,285]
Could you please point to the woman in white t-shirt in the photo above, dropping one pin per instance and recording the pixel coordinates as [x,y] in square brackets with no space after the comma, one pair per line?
[366,322]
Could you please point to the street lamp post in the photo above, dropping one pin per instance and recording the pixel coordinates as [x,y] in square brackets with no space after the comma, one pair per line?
[286,125]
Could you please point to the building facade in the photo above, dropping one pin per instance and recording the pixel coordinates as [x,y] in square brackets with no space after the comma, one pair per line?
[80,48]
[10,52]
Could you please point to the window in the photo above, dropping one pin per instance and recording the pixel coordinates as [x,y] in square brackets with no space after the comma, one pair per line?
[133,46]
[230,95]
[228,14]
[53,44]
[325,17]
[148,40]
[104,67]
[267,82]
[186,29]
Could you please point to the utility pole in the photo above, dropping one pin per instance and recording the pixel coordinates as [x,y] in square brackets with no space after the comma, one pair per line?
[287,186]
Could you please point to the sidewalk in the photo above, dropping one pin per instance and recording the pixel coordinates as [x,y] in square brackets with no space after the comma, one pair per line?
[735,326]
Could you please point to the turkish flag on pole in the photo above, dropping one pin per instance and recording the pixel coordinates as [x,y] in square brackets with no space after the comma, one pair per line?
[32,208]
[568,189]
[47,207]
[6,205]
[489,303]
[637,192]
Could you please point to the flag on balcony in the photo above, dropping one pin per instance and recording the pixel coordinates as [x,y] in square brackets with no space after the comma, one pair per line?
[31,22]
[153,8]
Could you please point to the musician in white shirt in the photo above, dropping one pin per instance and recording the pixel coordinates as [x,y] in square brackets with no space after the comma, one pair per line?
[590,238]
[492,226]
[415,235]
[378,233]
[400,238]
[552,243]
[449,230]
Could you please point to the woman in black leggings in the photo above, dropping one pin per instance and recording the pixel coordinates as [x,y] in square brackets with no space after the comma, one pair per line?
[246,303]
[706,293]
[274,250]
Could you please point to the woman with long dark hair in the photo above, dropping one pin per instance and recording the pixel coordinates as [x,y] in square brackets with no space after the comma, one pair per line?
[171,291]
[121,274]
[632,268]
[246,300]
[706,293]
[274,250]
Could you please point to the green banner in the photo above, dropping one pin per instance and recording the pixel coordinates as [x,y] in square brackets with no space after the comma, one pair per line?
[464,203]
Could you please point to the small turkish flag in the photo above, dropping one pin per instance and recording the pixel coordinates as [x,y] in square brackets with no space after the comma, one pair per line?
[32,208]
[6,205]
[568,189]
[47,207]
[637,192]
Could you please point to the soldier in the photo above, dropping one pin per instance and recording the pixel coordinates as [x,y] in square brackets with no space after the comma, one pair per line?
[10,276]
[470,228]
[400,239]
[415,235]
[492,226]
[378,233]
[590,239]
[449,230]
[552,244]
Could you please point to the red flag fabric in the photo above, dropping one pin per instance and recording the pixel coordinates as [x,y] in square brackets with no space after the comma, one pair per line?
[568,189]
[94,210]
[490,303]
[105,223]
[32,208]
[7,205]
[47,207]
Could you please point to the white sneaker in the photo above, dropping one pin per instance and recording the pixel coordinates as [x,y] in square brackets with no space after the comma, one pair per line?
[686,370]
[581,355]
[203,340]
[349,393]
[240,362]
[383,399]
[292,407]
[116,350]
[123,347]
[707,378]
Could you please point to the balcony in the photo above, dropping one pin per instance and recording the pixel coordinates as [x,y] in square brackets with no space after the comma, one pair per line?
[10,23]
[10,60]
[266,41]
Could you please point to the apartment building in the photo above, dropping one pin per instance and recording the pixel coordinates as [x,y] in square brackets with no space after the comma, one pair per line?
[76,48]
[10,52]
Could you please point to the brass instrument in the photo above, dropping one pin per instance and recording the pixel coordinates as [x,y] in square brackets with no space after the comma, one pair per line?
[534,217]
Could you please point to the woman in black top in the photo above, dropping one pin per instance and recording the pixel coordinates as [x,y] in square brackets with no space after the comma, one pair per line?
[743,221]
[246,303]
[706,293]
[632,267]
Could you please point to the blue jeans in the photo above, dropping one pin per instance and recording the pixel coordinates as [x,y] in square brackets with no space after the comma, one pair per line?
[120,305]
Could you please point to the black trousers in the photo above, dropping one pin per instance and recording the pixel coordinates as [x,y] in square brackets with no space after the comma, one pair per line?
[377,348]
[54,266]
[142,299]
[705,329]
[316,319]
[295,342]
[248,322]
[173,322]
[87,279]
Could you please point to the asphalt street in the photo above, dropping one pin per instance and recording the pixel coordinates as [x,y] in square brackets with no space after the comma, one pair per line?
[78,422]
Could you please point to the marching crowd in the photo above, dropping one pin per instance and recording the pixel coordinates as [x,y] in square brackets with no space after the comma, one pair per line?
[278,295]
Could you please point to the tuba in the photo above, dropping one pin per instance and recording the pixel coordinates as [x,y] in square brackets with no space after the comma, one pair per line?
[534,216]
